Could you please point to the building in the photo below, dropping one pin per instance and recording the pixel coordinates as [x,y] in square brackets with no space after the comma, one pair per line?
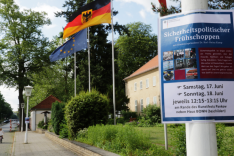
[36,111]
[142,87]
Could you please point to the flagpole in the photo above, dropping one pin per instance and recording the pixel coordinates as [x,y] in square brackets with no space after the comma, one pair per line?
[75,73]
[113,64]
[89,60]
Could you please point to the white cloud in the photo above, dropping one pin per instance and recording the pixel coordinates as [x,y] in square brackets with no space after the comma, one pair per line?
[129,14]
[50,26]
[50,10]
[11,96]
[145,3]
[142,13]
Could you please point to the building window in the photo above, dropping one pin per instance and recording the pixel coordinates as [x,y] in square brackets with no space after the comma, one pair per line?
[142,105]
[147,101]
[154,81]
[147,83]
[135,105]
[140,85]
[155,100]
[135,86]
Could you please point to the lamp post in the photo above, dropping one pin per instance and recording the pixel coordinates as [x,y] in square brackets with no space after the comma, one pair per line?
[28,90]
[22,106]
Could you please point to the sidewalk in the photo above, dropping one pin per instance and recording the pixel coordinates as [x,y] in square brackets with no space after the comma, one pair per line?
[38,145]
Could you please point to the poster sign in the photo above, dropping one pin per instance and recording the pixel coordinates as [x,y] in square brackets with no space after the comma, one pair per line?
[196,67]
[26,120]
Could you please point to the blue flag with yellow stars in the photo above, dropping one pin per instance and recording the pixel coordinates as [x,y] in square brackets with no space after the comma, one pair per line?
[74,44]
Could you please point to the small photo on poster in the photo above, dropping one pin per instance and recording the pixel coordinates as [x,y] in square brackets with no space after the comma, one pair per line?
[168,75]
[180,64]
[179,54]
[180,74]
[191,73]
[168,65]
[168,55]
[191,63]
[190,53]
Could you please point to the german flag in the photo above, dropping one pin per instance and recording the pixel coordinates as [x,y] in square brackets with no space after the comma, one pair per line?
[94,13]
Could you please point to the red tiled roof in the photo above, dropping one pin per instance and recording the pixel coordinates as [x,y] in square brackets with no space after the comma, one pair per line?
[46,104]
[152,64]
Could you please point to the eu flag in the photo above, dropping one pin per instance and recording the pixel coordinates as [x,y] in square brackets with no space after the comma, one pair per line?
[74,44]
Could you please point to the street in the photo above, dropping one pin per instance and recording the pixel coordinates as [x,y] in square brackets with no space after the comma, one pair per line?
[6,145]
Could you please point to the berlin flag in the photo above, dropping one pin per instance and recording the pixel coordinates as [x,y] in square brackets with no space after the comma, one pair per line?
[163,3]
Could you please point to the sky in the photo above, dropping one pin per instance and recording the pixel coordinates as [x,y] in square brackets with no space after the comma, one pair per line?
[129,11]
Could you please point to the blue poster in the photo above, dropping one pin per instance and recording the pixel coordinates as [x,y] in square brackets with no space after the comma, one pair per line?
[196,67]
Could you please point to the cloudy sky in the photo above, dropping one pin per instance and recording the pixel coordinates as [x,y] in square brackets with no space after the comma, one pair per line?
[129,11]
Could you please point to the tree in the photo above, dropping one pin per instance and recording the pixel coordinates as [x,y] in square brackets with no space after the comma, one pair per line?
[23,48]
[101,52]
[5,108]
[135,48]
[212,4]
[86,109]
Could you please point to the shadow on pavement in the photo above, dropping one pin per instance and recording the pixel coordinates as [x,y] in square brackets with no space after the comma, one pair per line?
[6,142]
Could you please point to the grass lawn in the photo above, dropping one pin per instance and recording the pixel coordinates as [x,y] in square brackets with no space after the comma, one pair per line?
[157,134]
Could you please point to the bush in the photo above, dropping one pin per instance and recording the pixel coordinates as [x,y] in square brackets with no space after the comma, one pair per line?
[120,121]
[132,123]
[110,122]
[57,116]
[50,127]
[123,140]
[86,109]
[225,139]
[63,133]
[144,123]
[127,115]
[178,138]
[40,124]
[152,113]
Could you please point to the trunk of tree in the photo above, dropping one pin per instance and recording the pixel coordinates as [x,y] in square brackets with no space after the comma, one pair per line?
[21,100]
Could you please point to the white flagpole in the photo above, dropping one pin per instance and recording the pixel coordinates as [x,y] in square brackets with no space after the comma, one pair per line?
[89,60]
[75,73]
[113,64]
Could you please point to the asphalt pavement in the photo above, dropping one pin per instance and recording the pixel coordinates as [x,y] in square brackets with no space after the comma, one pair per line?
[38,145]
[7,142]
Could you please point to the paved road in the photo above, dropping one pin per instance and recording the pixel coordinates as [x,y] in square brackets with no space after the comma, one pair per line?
[38,145]
[6,146]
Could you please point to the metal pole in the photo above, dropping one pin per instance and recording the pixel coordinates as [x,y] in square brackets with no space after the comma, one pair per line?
[113,63]
[22,120]
[26,133]
[89,60]
[200,136]
[165,135]
[75,74]
[165,125]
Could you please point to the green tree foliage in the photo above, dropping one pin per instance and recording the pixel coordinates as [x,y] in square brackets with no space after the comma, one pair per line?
[135,48]
[127,115]
[152,113]
[100,57]
[5,108]
[86,109]
[23,48]
[57,116]
[56,79]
